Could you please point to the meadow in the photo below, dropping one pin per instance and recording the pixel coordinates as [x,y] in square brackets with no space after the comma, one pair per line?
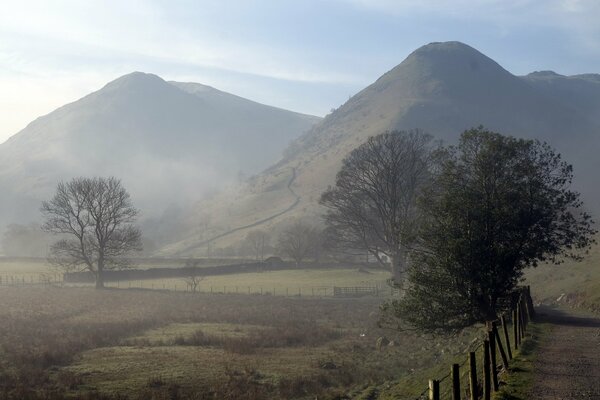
[571,283]
[313,282]
[59,341]
[143,344]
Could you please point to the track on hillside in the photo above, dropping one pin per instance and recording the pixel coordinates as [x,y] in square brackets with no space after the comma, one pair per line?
[254,224]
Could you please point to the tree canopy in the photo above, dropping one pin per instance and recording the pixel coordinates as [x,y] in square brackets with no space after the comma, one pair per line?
[498,205]
[373,205]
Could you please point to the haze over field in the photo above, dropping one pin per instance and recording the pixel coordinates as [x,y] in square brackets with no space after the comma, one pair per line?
[317,199]
[188,152]
[170,142]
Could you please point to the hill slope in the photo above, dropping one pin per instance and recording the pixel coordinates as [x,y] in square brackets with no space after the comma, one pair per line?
[443,88]
[169,142]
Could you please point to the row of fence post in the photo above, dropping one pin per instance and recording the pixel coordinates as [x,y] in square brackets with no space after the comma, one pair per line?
[522,314]
[22,280]
[320,291]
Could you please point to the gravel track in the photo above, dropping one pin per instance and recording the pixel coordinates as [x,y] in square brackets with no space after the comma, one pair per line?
[568,362]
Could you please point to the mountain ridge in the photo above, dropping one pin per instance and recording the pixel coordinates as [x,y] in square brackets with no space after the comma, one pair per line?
[443,88]
[169,146]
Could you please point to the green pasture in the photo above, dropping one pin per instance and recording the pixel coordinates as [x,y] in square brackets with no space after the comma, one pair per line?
[301,282]
[575,283]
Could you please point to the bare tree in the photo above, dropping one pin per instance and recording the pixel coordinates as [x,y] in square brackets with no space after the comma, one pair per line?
[258,240]
[95,218]
[299,242]
[194,275]
[373,206]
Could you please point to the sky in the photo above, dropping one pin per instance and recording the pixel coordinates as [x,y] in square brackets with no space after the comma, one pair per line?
[308,56]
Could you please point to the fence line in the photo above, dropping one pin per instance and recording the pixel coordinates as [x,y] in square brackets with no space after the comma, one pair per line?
[180,285]
[522,313]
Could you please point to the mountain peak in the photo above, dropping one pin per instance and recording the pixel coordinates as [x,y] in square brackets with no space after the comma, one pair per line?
[544,75]
[455,55]
[450,46]
[135,79]
[442,67]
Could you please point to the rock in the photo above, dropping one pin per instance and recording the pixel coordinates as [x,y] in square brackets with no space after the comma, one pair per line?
[392,343]
[381,342]
[328,365]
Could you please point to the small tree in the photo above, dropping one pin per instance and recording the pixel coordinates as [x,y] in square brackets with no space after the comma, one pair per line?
[299,241]
[373,205]
[94,217]
[194,275]
[258,241]
[499,205]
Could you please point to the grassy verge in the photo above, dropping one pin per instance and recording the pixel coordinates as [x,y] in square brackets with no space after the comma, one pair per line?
[519,378]
[573,284]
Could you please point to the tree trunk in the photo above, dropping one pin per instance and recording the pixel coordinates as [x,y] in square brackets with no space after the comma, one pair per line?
[398,263]
[100,275]
[99,281]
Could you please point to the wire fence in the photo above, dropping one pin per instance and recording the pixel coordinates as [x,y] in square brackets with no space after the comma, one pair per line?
[180,285]
[495,350]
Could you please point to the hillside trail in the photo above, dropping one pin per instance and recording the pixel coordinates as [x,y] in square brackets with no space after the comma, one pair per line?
[568,363]
[293,205]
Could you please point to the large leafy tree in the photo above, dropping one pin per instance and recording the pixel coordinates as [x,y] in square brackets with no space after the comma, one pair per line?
[95,220]
[373,205]
[498,206]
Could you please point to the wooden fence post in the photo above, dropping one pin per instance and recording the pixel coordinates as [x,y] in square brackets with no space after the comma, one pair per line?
[506,337]
[473,376]
[492,340]
[455,382]
[525,311]
[434,389]
[487,384]
[521,319]
[530,302]
[500,346]
[515,318]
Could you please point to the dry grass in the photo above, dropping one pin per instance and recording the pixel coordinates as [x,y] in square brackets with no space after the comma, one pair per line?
[298,282]
[576,284]
[83,343]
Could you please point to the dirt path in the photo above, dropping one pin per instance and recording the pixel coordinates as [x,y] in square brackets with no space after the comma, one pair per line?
[568,365]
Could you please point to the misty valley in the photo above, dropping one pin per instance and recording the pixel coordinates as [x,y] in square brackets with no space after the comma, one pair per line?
[432,237]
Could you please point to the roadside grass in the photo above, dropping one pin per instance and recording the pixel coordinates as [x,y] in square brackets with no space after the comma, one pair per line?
[518,380]
[576,284]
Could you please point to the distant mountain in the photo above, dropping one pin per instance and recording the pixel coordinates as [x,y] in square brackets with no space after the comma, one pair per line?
[443,88]
[169,142]
[580,91]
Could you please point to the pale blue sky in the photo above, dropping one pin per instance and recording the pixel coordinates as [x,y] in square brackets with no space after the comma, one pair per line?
[306,56]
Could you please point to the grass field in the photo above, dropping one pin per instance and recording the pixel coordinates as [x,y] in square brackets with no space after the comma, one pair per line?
[117,344]
[304,282]
[77,342]
[571,283]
